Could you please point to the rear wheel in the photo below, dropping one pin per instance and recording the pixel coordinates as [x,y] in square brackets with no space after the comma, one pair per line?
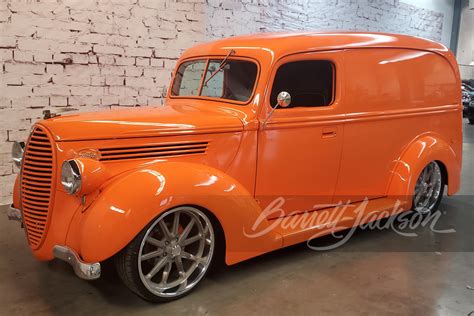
[170,256]
[429,189]
[471,120]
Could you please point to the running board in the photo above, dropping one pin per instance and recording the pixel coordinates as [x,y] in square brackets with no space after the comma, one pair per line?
[301,227]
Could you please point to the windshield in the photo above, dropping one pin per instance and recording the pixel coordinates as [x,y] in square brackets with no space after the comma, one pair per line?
[231,79]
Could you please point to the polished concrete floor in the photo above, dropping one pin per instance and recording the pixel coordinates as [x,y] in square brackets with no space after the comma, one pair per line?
[376,272]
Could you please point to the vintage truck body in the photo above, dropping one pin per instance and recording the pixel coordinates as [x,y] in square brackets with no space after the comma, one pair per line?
[392,109]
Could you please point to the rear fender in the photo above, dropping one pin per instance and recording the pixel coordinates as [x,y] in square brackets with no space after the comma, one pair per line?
[129,203]
[418,154]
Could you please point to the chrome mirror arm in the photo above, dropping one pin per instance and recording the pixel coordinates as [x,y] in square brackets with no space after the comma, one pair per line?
[270,114]
[283,100]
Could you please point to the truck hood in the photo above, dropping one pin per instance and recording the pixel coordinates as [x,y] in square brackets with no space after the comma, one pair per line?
[142,122]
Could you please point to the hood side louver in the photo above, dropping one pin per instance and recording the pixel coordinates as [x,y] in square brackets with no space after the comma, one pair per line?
[153,151]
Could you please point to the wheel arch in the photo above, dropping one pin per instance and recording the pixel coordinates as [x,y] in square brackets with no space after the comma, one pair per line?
[444,172]
[424,149]
[130,202]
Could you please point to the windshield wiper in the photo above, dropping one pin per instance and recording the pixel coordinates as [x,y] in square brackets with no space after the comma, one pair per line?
[221,65]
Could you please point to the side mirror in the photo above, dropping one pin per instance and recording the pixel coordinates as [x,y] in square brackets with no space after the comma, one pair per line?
[283,100]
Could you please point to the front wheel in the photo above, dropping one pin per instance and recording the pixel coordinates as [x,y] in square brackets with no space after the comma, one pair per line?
[429,189]
[170,256]
[471,120]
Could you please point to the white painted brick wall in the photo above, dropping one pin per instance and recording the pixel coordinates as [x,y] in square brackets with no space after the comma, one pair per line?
[95,55]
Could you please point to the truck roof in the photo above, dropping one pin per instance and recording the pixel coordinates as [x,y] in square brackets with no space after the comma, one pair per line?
[283,43]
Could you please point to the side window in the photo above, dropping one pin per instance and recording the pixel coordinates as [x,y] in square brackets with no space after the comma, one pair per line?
[309,82]
[188,78]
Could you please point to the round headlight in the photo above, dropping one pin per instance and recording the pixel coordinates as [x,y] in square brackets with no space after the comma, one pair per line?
[18,149]
[71,176]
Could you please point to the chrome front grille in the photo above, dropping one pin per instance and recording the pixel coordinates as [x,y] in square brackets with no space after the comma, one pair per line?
[37,183]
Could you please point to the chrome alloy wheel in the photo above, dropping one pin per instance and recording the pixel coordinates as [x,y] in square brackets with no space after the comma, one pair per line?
[176,252]
[428,188]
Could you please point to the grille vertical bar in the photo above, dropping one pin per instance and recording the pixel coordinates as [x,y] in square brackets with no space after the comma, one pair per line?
[36,185]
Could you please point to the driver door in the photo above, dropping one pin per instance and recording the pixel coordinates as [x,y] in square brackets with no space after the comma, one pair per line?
[299,147]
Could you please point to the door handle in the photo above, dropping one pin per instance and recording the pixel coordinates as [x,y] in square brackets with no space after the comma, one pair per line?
[328,132]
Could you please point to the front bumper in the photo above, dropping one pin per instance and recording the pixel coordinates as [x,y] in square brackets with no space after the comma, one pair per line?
[86,271]
[14,214]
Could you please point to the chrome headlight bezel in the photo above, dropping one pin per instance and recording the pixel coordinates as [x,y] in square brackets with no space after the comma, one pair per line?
[71,178]
[18,151]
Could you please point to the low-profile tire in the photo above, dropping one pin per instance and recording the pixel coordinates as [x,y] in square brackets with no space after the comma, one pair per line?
[429,188]
[170,256]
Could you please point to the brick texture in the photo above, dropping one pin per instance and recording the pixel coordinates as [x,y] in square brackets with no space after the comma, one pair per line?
[95,55]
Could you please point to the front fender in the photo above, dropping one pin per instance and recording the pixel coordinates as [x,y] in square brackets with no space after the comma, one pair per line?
[127,204]
[418,154]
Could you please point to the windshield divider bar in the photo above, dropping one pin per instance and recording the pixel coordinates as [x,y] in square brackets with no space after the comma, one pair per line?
[201,84]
